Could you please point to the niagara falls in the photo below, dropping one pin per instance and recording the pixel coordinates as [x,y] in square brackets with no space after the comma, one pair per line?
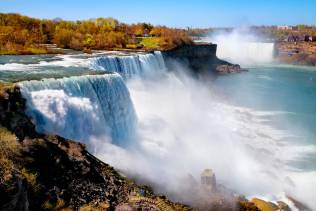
[152,110]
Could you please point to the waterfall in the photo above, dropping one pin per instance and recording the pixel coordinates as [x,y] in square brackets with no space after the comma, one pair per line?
[246,52]
[81,107]
[131,65]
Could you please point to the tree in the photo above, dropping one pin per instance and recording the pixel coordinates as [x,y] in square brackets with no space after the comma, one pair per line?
[63,37]
[89,41]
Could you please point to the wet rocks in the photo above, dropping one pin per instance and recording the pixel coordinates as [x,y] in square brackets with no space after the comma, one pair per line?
[226,69]
[199,58]
[58,173]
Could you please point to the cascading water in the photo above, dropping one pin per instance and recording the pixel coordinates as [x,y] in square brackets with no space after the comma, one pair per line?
[81,107]
[128,66]
[245,52]
[182,126]
[242,47]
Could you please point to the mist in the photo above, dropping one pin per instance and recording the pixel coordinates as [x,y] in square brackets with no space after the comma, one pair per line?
[184,127]
[241,46]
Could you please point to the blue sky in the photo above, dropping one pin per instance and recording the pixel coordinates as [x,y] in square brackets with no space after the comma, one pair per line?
[178,13]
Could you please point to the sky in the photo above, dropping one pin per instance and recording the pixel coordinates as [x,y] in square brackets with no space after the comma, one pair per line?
[174,13]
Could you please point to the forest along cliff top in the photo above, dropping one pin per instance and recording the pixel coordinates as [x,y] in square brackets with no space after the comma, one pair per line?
[25,35]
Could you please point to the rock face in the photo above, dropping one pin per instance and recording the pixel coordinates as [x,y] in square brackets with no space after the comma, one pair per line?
[201,58]
[225,69]
[12,114]
[297,53]
[48,172]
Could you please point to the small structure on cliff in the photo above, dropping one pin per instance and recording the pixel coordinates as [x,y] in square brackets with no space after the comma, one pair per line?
[208,180]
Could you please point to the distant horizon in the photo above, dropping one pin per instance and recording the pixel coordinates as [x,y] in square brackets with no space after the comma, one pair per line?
[210,27]
[180,14]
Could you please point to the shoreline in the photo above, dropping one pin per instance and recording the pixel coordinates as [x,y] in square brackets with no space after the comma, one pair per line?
[296,53]
[18,124]
[256,203]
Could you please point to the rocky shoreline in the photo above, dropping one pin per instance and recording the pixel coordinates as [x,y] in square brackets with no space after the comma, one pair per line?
[296,53]
[52,173]
[199,57]
[48,172]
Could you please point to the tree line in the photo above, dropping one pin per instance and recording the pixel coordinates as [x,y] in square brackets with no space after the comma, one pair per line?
[22,34]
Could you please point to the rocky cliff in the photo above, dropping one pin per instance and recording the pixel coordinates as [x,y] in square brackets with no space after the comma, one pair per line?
[201,58]
[48,172]
[297,53]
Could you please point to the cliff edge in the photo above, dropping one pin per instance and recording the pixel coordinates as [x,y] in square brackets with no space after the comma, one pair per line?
[48,172]
[201,58]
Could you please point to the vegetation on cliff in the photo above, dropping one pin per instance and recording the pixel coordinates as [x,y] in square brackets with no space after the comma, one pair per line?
[24,35]
[47,172]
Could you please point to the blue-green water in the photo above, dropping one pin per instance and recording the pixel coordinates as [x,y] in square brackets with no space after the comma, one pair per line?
[260,124]
[287,92]
[17,68]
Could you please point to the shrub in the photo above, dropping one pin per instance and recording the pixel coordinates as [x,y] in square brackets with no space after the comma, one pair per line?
[31,179]
[10,149]
[62,38]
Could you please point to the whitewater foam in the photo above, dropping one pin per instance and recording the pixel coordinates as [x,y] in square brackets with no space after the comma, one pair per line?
[182,128]
[59,61]
[131,65]
[245,52]
[81,107]
[242,47]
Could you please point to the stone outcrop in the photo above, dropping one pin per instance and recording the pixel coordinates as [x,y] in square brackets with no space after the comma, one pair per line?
[52,173]
[297,53]
[49,172]
[225,69]
[201,58]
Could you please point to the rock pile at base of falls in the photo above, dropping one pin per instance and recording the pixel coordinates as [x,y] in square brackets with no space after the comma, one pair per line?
[226,68]
[48,172]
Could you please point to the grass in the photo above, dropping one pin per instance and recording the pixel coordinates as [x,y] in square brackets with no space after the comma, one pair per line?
[24,51]
[8,52]
[262,205]
[31,179]
[131,46]
[55,205]
[150,42]
[9,151]
[95,206]
[34,50]
[4,86]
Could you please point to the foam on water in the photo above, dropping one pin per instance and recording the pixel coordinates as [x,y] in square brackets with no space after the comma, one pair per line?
[242,47]
[81,107]
[59,60]
[183,127]
[132,65]
[245,52]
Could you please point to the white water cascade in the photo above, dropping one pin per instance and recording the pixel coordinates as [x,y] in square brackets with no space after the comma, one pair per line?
[131,65]
[182,127]
[82,107]
[242,47]
[245,52]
